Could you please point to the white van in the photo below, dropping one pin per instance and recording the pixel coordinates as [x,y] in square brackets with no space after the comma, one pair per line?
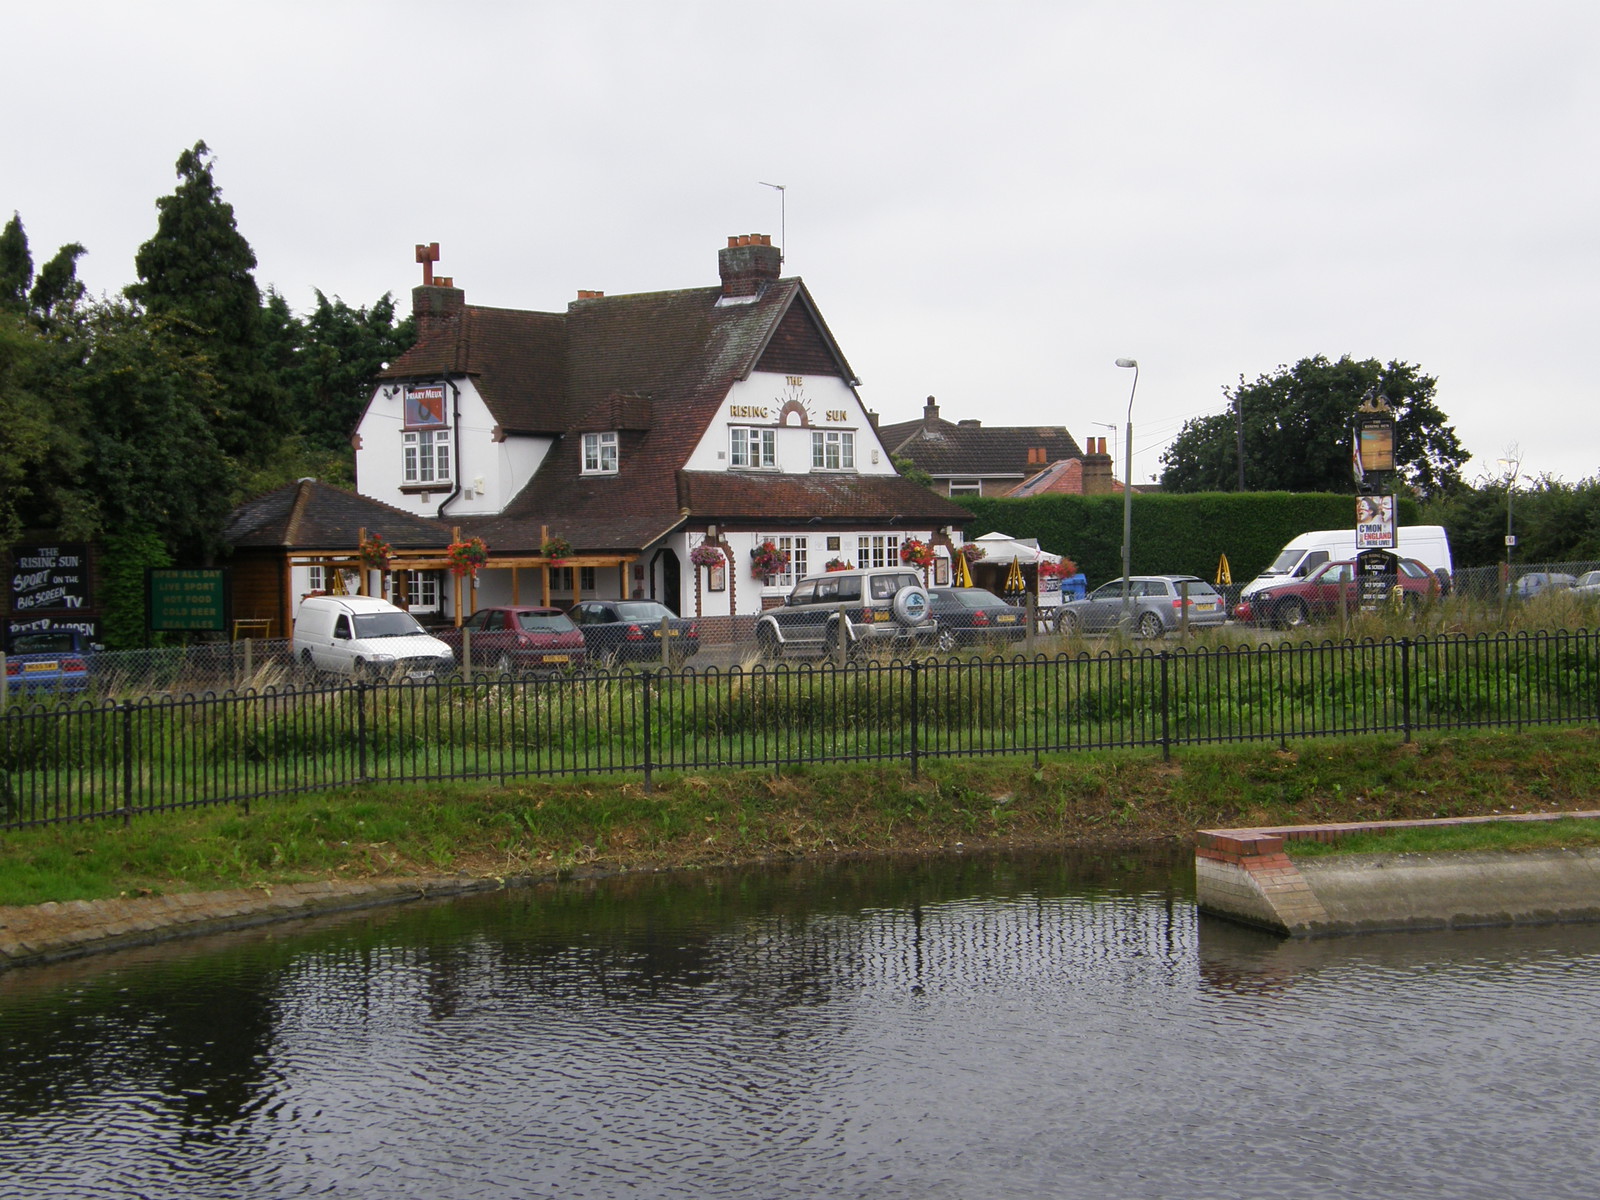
[365,636]
[1304,554]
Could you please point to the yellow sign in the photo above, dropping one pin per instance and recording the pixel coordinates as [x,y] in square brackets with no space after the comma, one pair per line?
[1224,575]
[1014,580]
[963,575]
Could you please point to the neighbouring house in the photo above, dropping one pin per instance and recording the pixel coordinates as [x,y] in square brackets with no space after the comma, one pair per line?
[703,447]
[968,458]
[1090,475]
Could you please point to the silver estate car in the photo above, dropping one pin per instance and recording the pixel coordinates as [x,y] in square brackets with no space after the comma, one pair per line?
[1156,606]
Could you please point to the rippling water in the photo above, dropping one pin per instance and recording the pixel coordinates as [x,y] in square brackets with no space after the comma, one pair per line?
[1033,1027]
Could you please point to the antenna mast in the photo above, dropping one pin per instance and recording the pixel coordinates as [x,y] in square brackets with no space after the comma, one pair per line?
[783,217]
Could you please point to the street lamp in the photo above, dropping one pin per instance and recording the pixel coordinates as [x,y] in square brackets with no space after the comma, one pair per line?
[1127,492]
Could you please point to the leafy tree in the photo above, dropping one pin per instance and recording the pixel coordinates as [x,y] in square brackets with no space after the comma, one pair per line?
[1297,425]
[198,269]
[126,552]
[911,471]
[155,462]
[57,288]
[42,447]
[16,266]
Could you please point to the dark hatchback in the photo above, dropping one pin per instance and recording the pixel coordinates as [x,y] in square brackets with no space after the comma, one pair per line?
[975,617]
[631,630]
[515,638]
[49,660]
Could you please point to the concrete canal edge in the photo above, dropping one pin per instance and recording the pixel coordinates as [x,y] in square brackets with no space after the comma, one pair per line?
[1247,875]
[43,933]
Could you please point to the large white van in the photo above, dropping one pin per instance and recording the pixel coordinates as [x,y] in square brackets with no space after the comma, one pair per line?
[1304,554]
[365,636]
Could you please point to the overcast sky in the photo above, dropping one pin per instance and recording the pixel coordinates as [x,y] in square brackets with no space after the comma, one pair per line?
[989,203]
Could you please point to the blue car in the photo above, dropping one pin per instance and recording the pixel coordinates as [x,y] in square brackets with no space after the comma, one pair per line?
[49,660]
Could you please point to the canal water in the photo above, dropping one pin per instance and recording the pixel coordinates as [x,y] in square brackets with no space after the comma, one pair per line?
[1037,1026]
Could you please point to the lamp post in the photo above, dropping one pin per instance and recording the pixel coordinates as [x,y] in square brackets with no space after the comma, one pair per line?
[1512,466]
[1127,492]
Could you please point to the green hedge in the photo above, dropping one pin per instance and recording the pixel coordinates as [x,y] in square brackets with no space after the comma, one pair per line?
[1172,535]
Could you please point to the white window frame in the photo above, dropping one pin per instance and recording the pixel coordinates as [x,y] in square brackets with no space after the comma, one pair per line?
[425,456]
[833,450]
[600,453]
[966,487]
[878,550]
[799,555]
[752,446]
[315,580]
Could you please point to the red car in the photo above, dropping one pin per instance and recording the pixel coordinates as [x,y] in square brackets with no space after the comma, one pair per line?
[519,637]
[1297,602]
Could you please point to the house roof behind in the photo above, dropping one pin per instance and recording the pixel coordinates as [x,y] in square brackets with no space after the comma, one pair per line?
[944,448]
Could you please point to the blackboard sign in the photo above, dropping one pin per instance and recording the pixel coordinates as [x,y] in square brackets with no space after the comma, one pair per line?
[187,599]
[1376,572]
[49,579]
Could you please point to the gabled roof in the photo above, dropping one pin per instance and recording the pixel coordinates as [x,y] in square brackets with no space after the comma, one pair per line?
[1063,477]
[946,448]
[309,515]
[517,360]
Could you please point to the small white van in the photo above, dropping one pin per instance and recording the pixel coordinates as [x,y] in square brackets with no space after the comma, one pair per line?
[1304,554]
[365,636]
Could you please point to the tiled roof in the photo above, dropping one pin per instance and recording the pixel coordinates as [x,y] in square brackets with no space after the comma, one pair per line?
[310,515]
[943,448]
[726,497]
[516,358]
[1065,477]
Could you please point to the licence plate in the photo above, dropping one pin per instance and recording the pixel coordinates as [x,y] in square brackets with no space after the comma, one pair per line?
[670,633]
[556,658]
[881,614]
[1005,620]
[39,668]
[1205,605]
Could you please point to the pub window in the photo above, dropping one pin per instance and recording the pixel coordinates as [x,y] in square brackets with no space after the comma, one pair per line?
[600,453]
[426,456]
[752,447]
[833,450]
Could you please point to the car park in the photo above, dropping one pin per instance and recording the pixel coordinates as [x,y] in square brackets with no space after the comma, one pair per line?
[48,660]
[617,631]
[1532,583]
[365,637]
[1156,605]
[1296,602]
[516,638]
[868,607]
[974,617]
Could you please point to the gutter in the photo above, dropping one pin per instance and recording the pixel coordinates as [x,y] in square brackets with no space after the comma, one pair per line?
[438,514]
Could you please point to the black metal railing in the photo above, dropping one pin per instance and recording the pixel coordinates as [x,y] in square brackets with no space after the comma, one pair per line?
[121,758]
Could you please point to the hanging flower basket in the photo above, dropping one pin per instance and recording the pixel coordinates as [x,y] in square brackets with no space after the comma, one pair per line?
[1061,570]
[916,552]
[973,552]
[375,553]
[706,555]
[838,564]
[556,548]
[766,560]
[466,557]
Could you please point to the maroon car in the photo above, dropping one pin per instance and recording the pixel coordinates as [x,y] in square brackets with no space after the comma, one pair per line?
[1297,602]
[516,638]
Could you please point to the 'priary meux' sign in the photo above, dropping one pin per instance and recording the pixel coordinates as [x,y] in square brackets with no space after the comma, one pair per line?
[49,578]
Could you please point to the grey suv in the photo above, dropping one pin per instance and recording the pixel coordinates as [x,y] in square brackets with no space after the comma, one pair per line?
[868,606]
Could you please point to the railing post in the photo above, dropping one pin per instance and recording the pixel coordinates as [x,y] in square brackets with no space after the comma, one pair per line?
[1166,707]
[916,716]
[126,709]
[1405,687]
[649,734]
[5,682]
[361,730]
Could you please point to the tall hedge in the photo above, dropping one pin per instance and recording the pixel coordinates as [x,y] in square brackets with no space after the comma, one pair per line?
[1172,535]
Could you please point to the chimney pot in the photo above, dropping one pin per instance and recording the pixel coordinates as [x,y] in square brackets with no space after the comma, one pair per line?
[748,264]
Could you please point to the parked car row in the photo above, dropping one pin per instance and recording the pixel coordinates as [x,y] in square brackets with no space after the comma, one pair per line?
[1295,602]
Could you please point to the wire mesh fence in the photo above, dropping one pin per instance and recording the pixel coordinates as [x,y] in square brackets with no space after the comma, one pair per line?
[117,758]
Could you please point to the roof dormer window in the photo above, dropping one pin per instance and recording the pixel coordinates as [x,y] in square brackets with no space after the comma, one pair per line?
[600,453]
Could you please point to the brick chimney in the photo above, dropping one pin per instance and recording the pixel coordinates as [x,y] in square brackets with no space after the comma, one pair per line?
[930,414]
[748,263]
[437,300]
[1097,477]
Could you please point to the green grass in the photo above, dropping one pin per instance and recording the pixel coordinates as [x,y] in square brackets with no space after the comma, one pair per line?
[544,828]
[1511,836]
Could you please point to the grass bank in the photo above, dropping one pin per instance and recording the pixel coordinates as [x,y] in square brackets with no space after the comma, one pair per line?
[1510,837]
[532,828]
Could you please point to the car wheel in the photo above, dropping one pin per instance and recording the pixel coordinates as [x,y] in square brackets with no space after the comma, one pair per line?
[767,644]
[1150,626]
[1066,623]
[910,605]
[946,641]
[1292,614]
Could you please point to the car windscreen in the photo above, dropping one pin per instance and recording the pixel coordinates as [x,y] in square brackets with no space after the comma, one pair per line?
[642,610]
[1197,587]
[975,598]
[545,622]
[387,624]
[1284,562]
[43,643]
